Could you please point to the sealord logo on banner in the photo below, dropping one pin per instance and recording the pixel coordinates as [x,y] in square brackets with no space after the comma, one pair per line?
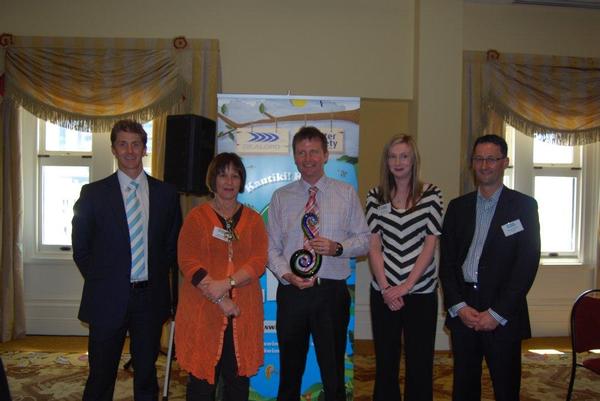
[262,141]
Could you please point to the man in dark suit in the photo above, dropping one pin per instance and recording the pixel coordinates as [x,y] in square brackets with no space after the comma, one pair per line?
[490,251]
[125,230]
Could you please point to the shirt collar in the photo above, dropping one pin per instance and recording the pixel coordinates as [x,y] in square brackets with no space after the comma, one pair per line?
[321,184]
[124,179]
[492,200]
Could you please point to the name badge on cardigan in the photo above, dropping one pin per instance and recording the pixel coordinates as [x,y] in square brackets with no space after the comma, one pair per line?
[222,234]
[512,227]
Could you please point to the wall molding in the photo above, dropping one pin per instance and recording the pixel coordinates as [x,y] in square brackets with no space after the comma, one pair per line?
[54,317]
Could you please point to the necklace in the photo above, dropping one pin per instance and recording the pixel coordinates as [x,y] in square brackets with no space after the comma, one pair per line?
[231,235]
[226,212]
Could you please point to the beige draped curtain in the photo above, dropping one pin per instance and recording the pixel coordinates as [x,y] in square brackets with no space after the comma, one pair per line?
[88,84]
[555,98]
[12,307]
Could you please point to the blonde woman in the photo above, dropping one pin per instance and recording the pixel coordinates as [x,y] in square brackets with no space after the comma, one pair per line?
[405,218]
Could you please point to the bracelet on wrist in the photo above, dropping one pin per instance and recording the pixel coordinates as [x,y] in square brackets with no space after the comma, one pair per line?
[383,290]
[218,301]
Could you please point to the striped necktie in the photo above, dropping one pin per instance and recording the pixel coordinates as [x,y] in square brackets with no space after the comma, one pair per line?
[312,207]
[135,221]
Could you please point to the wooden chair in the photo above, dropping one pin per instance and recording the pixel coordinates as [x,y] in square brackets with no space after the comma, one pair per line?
[585,332]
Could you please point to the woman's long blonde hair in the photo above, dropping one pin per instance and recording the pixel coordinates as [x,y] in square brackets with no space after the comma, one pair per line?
[387,184]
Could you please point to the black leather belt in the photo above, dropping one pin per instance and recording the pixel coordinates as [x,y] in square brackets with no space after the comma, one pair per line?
[138,284]
[327,281]
[472,286]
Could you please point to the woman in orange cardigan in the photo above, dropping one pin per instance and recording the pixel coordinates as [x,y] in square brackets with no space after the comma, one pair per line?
[222,253]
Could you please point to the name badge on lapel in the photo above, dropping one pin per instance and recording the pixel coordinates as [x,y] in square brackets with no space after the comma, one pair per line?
[512,227]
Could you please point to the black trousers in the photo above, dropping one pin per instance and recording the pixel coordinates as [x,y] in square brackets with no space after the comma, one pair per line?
[416,323]
[503,358]
[322,311]
[234,387]
[106,343]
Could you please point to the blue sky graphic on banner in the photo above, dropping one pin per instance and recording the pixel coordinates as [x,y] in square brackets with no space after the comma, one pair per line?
[260,129]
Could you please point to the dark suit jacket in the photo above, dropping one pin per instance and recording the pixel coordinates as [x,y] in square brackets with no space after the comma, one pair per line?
[508,263]
[102,252]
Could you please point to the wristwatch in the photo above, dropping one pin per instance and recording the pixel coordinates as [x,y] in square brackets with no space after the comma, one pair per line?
[339,249]
[232,282]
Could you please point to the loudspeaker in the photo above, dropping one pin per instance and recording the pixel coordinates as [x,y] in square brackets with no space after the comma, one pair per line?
[189,149]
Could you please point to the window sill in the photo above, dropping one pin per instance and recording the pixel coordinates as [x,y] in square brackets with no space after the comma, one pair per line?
[561,262]
[53,258]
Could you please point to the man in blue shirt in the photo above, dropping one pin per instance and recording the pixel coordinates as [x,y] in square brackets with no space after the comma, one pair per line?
[490,251]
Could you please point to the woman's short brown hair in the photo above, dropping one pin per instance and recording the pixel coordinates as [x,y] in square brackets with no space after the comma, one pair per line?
[219,164]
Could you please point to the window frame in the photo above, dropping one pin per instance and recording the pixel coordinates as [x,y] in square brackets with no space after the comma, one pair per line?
[524,174]
[44,158]
[54,160]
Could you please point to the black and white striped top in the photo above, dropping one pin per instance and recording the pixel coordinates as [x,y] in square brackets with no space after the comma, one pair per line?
[403,235]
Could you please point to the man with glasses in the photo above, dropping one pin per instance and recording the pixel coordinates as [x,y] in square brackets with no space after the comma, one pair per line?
[490,251]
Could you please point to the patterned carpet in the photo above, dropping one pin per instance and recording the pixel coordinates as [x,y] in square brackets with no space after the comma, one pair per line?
[41,376]
[544,378]
[46,376]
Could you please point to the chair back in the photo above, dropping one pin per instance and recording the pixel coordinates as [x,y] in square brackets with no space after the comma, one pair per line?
[585,321]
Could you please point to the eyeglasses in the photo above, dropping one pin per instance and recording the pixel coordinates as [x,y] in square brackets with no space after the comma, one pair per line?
[491,161]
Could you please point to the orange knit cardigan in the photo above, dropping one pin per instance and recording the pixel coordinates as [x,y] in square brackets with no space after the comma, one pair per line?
[199,323]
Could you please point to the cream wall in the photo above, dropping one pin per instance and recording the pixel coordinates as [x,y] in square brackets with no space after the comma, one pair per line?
[556,31]
[438,69]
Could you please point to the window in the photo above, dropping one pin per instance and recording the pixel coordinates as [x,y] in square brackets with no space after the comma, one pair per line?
[509,173]
[64,165]
[148,159]
[552,174]
[67,160]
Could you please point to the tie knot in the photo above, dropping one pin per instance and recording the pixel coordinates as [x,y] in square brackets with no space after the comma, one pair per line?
[312,191]
[133,186]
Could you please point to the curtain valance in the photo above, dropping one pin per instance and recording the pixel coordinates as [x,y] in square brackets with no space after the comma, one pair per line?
[88,84]
[86,89]
[557,98]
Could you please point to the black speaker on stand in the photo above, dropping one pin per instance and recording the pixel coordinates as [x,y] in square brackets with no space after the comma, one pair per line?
[189,149]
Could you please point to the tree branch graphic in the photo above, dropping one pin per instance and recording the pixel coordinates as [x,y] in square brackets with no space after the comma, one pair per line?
[347,115]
